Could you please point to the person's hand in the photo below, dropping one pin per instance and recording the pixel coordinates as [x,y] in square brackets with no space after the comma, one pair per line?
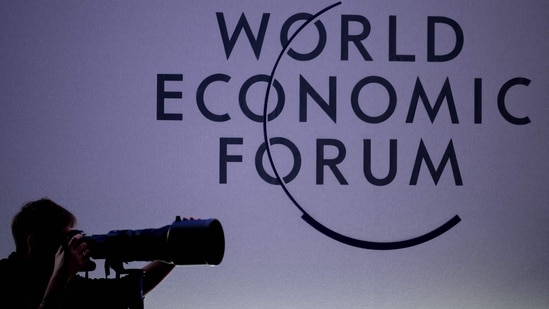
[71,258]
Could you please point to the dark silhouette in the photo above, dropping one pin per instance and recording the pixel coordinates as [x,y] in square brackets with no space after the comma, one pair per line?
[42,272]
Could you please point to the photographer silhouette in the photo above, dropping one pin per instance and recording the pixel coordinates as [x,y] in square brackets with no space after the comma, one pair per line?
[42,272]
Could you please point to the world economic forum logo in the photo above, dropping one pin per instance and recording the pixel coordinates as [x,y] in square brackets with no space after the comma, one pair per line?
[330,120]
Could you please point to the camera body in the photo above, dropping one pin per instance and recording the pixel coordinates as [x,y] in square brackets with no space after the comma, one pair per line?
[184,242]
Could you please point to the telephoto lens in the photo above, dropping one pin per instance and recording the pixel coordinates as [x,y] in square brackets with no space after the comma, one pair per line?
[184,242]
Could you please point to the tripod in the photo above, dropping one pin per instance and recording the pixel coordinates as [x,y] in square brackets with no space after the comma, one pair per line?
[137,297]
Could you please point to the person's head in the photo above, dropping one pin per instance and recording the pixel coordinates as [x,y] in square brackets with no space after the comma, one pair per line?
[39,227]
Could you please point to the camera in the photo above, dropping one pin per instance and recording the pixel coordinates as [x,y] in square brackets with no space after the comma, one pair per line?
[184,242]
